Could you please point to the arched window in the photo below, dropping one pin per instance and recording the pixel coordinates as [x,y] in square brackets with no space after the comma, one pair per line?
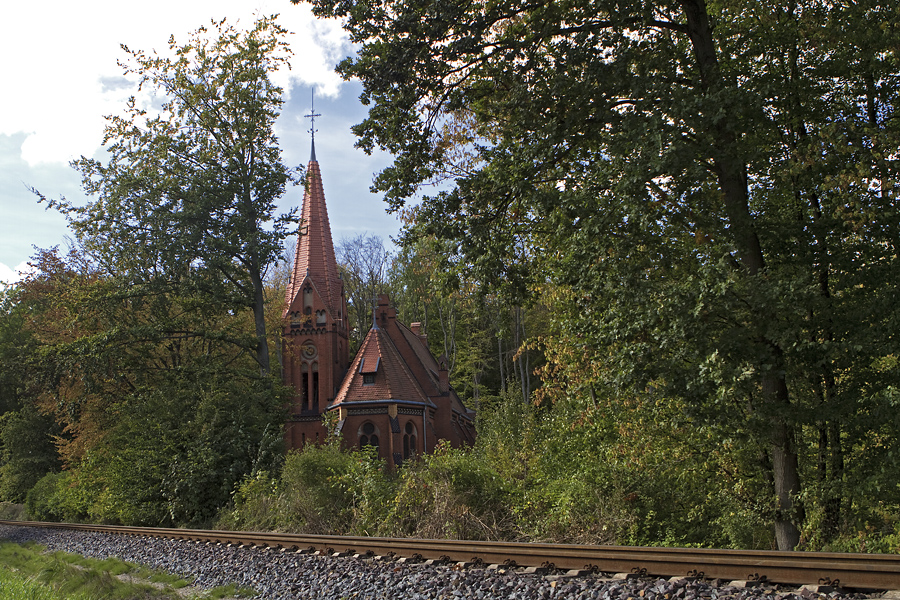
[368,435]
[409,440]
[320,317]
[315,386]
[304,387]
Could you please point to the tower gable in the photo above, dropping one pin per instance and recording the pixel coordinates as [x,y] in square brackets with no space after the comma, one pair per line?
[309,310]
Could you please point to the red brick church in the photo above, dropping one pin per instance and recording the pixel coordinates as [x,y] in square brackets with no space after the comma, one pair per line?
[395,395]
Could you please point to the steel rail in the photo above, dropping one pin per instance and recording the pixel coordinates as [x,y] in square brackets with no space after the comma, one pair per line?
[855,571]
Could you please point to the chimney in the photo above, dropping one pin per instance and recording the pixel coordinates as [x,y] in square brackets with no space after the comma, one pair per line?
[388,312]
[420,333]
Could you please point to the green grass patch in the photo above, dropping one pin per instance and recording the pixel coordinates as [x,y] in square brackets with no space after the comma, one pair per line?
[27,572]
[15,586]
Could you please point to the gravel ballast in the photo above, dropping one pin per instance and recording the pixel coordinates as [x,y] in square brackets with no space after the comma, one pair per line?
[282,575]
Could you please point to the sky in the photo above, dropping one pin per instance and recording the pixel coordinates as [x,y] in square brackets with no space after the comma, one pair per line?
[60,78]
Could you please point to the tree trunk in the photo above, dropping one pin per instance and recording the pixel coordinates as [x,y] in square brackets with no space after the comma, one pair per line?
[731,174]
[259,318]
[785,469]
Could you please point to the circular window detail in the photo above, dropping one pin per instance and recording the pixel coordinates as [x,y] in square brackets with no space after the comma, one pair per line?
[308,350]
[368,435]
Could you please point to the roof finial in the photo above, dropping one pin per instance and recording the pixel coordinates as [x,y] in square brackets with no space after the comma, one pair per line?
[312,127]
[374,311]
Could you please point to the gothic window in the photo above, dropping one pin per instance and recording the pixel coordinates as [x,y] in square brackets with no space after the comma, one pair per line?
[409,440]
[368,435]
[315,386]
[320,317]
[304,386]
[307,299]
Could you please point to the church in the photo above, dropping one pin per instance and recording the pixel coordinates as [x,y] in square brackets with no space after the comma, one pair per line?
[395,395]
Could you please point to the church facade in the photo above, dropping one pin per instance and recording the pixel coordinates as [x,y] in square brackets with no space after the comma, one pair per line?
[395,395]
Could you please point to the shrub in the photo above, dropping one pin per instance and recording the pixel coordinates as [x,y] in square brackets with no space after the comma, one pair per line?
[322,489]
[12,512]
[451,494]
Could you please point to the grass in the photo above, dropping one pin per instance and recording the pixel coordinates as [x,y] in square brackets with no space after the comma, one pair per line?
[27,572]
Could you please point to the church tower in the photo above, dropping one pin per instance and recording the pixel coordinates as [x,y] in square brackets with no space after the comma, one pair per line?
[314,324]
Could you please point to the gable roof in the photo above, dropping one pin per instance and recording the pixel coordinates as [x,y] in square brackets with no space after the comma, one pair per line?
[404,368]
[392,377]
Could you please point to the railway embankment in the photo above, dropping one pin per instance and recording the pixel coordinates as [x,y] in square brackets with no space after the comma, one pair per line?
[286,573]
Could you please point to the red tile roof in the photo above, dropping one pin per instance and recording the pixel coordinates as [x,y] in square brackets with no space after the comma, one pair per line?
[315,249]
[393,379]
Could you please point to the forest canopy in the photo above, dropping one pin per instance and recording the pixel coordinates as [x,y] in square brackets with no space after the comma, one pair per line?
[704,194]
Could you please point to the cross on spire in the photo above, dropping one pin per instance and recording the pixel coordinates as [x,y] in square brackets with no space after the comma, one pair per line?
[312,120]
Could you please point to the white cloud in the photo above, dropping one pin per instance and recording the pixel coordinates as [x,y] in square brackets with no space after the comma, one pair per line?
[10,276]
[60,72]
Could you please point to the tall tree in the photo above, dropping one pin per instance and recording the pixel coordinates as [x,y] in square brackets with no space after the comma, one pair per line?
[711,186]
[364,263]
[159,412]
[187,196]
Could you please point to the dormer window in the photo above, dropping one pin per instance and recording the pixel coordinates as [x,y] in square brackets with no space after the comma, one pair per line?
[368,371]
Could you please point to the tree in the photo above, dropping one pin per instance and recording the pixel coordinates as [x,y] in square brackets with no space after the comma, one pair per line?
[187,197]
[27,452]
[159,413]
[364,264]
[710,186]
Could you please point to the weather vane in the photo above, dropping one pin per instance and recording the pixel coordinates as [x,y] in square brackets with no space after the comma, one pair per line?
[312,114]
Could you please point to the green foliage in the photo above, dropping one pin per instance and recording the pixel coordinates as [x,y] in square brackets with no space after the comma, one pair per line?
[28,451]
[564,472]
[57,497]
[147,345]
[14,586]
[16,344]
[12,512]
[704,195]
[187,198]
[451,494]
[321,489]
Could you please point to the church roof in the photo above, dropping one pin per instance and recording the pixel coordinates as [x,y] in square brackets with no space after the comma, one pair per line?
[392,379]
[315,249]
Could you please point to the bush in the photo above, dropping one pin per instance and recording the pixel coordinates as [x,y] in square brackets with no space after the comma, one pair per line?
[12,512]
[322,489]
[452,494]
[27,453]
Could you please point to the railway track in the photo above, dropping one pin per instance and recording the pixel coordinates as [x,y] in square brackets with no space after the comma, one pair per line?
[853,571]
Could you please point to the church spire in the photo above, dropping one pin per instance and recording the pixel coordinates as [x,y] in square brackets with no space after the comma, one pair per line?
[315,258]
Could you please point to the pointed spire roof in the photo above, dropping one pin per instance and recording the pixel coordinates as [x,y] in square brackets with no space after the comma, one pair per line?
[315,248]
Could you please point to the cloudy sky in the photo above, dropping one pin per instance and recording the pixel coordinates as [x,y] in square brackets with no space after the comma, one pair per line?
[60,78]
